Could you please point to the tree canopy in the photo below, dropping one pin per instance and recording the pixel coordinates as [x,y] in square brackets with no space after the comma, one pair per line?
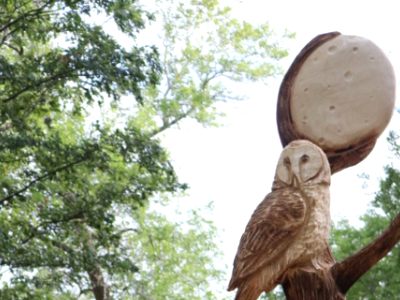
[81,159]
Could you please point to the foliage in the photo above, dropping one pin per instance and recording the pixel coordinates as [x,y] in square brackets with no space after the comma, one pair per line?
[383,280]
[276,294]
[202,49]
[174,258]
[72,184]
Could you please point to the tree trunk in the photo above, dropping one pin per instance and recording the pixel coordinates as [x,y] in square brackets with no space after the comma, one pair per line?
[99,286]
[101,290]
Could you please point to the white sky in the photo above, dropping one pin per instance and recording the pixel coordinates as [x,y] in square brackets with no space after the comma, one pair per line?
[234,165]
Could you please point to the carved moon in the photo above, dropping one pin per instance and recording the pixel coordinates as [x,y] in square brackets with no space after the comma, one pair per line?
[339,93]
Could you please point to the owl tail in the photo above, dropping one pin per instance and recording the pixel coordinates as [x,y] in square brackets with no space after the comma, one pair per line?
[249,290]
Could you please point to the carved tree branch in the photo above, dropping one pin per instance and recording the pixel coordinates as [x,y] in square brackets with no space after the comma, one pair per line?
[349,270]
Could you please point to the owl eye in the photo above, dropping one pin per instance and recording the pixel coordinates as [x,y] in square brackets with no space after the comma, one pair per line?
[286,161]
[305,158]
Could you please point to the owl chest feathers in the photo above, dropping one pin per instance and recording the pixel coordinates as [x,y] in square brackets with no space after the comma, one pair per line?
[313,237]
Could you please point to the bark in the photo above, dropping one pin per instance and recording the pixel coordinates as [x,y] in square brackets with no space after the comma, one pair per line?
[333,284]
[100,289]
[99,286]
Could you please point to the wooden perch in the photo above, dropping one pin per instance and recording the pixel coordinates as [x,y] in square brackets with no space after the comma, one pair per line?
[349,270]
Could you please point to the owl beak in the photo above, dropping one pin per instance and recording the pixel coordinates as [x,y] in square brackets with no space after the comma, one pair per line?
[295,182]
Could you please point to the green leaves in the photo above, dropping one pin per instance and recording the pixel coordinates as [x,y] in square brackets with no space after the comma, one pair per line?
[175,259]
[80,159]
[382,281]
[203,49]
[93,61]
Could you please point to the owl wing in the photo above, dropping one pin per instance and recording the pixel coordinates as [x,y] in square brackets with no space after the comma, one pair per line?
[272,227]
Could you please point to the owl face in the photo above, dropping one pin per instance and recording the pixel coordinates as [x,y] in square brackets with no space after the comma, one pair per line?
[300,162]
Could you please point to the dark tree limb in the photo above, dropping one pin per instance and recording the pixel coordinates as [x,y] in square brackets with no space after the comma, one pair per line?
[55,77]
[31,13]
[33,182]
[35,230]
[20,51]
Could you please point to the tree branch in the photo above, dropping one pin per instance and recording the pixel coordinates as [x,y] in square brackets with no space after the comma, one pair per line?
[349,270]
[16,7]
[3,39]
[41,178]
[27,14]
[62,246]
[122,231]
[208,79]
[52,78]
[100,289]
[173,122]
[19,51]
[15,95]
[77,216]
[12,97]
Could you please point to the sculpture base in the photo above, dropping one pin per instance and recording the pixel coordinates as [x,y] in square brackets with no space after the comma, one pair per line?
[319,285]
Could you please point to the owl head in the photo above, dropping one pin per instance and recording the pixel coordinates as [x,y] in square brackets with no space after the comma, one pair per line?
[302,163]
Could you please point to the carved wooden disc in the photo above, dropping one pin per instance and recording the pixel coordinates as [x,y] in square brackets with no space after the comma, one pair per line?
[339,93]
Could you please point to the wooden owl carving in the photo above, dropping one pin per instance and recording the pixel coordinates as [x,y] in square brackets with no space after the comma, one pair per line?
[290,228]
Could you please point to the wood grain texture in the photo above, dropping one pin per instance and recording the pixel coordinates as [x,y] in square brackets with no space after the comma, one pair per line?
[335,283]
[349,157]
[349,270]
[344,94]
[338,93]
[270,231]
[286,239]
[291,226]
[301,285]
[286,130]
